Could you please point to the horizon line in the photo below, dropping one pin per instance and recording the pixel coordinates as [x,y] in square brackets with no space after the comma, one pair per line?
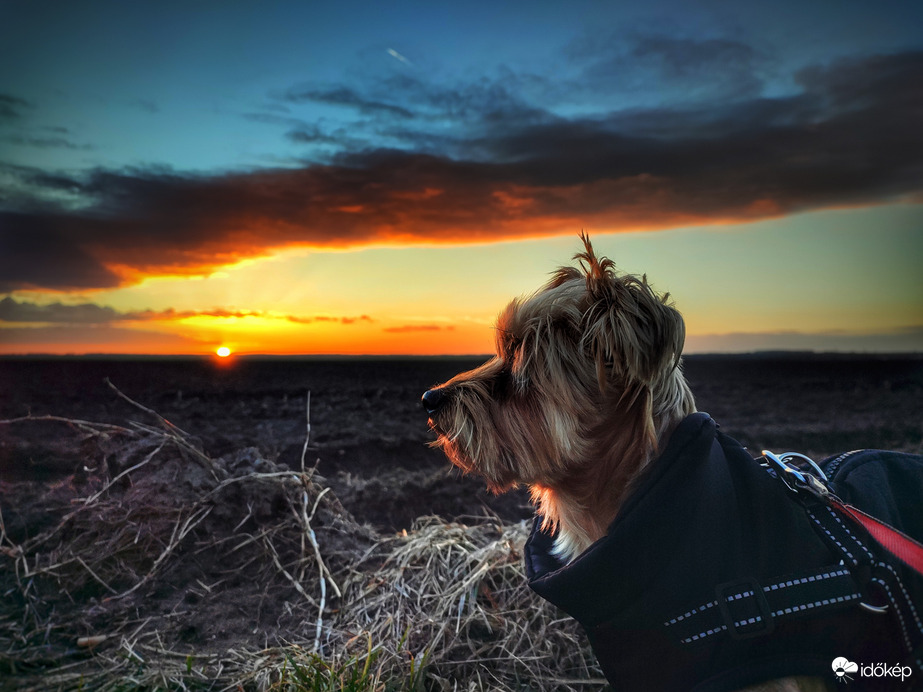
[386,356]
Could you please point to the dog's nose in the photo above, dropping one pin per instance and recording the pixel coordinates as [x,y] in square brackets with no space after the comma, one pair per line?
[432,400]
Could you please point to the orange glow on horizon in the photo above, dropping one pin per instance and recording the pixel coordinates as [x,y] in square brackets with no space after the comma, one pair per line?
[435,297]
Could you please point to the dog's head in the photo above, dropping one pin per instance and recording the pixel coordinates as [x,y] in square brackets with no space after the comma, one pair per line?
[586,375]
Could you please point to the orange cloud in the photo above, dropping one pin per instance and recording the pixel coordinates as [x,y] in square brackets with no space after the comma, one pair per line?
[327,318]
[408,328]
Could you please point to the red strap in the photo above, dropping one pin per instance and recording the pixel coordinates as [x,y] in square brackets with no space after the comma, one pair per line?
[902,546]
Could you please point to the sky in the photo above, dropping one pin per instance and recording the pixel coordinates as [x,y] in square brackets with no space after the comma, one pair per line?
[383,177]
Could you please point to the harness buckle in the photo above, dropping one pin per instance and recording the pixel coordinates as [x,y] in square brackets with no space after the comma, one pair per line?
[752,616]
[800,481]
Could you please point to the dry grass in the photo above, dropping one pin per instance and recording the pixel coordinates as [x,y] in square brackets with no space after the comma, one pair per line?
[157,567]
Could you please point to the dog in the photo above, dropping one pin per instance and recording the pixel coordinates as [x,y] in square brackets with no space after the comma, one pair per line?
[585,391]
[586,381]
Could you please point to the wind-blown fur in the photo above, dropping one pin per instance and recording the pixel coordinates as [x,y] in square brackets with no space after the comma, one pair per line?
[586,381]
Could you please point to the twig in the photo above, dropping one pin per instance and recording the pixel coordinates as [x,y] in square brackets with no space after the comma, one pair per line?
[320,606]
[244,520]
[95,576]
[250,476]
[275,558]
[96,496]
[179,436]
[312,537]
[72,421]
[13,551]
[167,424]
[178,535]
[321,567]
[307,435]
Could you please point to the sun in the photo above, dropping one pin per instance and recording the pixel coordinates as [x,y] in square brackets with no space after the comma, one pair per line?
[223,352]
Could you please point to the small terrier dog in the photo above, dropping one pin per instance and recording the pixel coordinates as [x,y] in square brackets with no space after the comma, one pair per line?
[587,379]
[586,383]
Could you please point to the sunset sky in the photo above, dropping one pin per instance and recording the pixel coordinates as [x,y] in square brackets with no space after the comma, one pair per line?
[382,177]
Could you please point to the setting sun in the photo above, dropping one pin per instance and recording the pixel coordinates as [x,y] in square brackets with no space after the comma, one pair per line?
[223,352]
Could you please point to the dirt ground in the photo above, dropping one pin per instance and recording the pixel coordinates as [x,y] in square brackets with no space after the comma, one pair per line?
[369,435]
[246,422]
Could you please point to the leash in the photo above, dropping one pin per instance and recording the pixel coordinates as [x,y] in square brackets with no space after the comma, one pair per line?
[816,486]
[899,544]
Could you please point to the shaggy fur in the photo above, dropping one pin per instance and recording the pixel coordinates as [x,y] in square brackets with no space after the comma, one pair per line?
[586,381]
[586,384]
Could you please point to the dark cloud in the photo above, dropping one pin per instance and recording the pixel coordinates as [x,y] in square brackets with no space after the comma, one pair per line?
[850,137]
[274,118]
[497,100]
[417,115]
[680,57]
[47,251]
[660,67]
[308,135]
[102,338]
[313,134]
[12,310]
[302,132]
[346,97]
[11,107]
[12,112]
[44,142]
[87,313]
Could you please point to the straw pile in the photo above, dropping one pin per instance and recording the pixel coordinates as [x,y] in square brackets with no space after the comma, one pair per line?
[154,566]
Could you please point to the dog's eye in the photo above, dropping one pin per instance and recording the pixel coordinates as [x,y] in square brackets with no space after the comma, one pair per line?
[507,382]
[514,380]
[501,384]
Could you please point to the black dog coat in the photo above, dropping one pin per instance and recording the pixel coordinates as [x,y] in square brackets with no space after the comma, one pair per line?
[714,576]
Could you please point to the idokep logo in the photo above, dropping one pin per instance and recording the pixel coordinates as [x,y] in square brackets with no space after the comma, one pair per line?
[845,670]
[842,667]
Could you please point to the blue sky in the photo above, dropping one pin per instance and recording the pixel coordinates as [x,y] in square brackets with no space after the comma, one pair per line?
[151,150]
[213,85]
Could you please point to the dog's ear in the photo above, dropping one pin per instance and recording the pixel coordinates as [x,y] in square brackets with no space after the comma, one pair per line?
[631,332]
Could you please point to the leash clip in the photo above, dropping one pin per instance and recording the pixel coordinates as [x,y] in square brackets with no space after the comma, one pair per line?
[815,484]
[798,480]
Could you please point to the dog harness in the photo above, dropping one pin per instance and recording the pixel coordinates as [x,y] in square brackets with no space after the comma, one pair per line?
[723,571]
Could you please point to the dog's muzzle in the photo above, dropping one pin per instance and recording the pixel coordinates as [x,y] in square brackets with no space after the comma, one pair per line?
[433,399]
